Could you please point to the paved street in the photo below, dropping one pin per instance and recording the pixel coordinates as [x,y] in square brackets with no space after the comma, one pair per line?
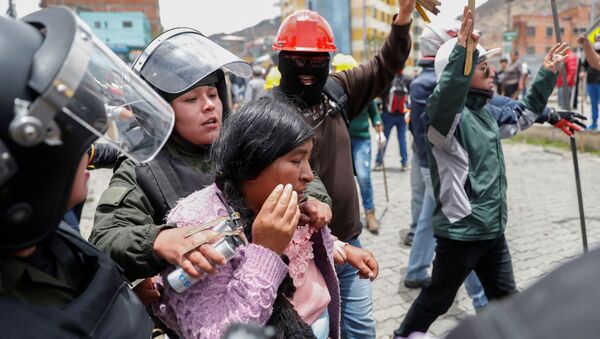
[543,225]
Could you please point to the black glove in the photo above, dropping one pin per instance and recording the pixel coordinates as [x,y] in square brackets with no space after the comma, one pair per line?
[567,121]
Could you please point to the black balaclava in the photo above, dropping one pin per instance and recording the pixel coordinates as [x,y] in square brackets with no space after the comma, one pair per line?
[291,85]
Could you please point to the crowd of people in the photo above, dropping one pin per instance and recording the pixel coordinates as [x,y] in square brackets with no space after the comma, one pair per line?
[234,203]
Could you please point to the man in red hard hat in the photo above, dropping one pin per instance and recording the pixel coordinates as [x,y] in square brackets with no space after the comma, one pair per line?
[328,103]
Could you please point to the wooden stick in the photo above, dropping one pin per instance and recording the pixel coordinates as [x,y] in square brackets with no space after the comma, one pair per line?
[421,12]
[470,42]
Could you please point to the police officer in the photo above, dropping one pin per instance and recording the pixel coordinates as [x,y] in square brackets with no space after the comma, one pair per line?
[187,70]
[59,82]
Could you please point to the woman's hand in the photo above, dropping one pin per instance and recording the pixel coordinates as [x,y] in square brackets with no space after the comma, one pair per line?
[315,213]
[276,222]
[363,261]
[172,246]
[555,56]
[466,29]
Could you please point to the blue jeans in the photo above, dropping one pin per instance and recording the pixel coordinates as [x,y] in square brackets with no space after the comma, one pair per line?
[594,92]
[475,291]
[423,246]
[361,157]
[417,189]
[357,301]
[389,121]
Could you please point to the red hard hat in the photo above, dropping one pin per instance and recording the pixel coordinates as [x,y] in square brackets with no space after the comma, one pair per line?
[304,31]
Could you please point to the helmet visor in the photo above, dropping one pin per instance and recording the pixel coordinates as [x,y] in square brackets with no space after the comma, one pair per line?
[119,107]
[186,58]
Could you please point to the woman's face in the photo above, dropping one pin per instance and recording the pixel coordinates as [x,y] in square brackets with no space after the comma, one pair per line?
[79,189]
[198,115]
[292,168]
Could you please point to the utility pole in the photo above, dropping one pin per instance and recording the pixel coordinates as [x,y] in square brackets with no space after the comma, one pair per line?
[11,11]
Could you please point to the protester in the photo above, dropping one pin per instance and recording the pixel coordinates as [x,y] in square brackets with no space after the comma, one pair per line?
[328,103]
[565,92]
[52,282]
[263,146]
[360,139]
[421,253]
[593,85]
[499,78]
[129,224]
[467,172]
[256,85]
[395,107]
[513,77]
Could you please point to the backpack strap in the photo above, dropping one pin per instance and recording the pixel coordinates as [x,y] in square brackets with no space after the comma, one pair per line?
[337,94]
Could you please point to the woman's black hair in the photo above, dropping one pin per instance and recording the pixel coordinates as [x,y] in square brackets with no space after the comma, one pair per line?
[250,140]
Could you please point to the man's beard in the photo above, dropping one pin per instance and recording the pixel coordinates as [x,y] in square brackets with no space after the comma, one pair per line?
[290,84]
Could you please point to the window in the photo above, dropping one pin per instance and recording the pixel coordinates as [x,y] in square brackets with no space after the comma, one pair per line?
[97,24]
[530,31]
[549,31]
[530,50]
[127,24]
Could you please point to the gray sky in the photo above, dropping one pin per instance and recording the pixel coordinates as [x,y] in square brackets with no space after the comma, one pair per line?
[216,16]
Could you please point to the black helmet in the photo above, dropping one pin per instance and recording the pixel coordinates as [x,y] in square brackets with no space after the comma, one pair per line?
[182,59]
[53,104]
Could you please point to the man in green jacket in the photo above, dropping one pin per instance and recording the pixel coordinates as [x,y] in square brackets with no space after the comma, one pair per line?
[468,176]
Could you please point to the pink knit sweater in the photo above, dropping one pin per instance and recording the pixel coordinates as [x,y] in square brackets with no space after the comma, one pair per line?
[244,289]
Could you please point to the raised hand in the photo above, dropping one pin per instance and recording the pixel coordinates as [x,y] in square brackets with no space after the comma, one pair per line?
[276,222]
[555,56]
[407,7]
[466,29]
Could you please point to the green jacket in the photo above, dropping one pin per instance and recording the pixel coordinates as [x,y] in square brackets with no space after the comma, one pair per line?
[465,154]
[359,126]
[129,214]
[127,218]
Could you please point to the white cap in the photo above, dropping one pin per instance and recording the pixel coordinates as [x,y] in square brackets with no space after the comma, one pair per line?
[443,54]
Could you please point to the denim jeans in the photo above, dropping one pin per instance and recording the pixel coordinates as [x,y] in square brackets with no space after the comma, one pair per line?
[361,157]
[389,121]
[357,301]
[417,189]
[423,246]
[454,260]
[594,92]
[475,291]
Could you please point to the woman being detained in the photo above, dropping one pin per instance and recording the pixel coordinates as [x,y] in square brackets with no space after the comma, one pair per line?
[285,276]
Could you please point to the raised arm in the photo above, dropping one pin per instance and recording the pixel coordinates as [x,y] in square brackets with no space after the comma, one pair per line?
[364,83]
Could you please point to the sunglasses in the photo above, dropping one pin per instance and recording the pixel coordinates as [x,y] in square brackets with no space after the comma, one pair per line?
[487,70]
[301,61]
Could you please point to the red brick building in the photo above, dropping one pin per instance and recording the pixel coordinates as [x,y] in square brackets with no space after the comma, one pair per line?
[536,32]
[149,7]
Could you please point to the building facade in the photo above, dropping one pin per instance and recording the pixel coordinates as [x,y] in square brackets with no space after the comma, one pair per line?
[535,33]
[122,32]
[150,8]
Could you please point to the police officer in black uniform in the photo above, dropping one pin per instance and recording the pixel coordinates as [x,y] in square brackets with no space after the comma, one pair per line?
[59,84]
